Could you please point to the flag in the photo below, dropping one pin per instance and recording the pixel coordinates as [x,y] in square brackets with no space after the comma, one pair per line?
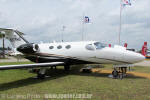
[86,19]
[126,2]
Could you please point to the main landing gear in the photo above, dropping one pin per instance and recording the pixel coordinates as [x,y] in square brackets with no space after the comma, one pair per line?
[119,72]
[41,73]
[53,67]
[66,67]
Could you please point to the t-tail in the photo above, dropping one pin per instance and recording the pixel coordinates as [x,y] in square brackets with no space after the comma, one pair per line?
[15,37]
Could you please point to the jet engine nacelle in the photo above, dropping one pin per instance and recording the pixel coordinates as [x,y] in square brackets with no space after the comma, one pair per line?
[28,48]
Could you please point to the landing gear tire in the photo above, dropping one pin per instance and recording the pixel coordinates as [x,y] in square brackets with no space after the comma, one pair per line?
[67,67]
[115,74]
[41,76]
[123,71]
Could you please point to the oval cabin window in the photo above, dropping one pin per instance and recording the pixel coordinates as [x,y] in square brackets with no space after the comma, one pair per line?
[68,46]
[59,47]
[51,47]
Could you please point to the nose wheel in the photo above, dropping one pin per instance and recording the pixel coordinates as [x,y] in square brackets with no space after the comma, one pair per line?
[119,72]
[115,73]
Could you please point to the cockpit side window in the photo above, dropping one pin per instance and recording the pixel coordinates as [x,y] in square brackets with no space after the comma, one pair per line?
[90,47]
[99,45]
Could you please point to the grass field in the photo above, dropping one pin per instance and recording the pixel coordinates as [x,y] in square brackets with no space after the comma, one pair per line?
[20,82]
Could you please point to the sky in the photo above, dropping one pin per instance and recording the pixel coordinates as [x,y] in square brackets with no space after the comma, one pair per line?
[42,20]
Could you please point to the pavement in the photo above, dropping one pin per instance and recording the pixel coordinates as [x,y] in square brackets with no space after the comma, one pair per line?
[145,63]
[13,59]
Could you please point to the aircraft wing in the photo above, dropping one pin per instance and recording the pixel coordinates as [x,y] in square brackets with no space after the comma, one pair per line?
[36,65]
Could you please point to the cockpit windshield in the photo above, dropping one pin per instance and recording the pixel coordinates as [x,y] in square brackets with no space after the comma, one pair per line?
[99,45]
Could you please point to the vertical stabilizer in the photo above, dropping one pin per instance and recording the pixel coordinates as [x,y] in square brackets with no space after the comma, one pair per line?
[15,37]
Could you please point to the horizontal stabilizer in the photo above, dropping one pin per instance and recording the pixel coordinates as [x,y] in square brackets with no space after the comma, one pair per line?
[14,36]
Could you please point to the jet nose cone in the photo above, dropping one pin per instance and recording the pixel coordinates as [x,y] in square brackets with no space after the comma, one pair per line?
[133,57]
[140,57]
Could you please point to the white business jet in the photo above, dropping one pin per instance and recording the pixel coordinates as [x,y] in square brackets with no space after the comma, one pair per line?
[67,53]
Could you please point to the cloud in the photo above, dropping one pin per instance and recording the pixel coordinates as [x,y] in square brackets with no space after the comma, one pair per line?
[44,19]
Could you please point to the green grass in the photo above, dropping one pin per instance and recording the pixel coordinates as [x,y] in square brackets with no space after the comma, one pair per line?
[20,82]
[14,63]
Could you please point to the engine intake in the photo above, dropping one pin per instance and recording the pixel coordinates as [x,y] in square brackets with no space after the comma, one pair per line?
[28,48]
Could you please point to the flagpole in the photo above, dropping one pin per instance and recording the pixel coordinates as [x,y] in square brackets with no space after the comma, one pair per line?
[83,27]
[62,35]
[120,20]
[63,29]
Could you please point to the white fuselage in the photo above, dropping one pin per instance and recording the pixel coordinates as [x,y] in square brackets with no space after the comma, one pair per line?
[87,51]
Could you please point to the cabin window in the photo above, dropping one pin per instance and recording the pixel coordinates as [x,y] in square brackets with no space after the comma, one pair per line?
[59,47]
[68,46]
[89,47]
[51,47]
[99,45]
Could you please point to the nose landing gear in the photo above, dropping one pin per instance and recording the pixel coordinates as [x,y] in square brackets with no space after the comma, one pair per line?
[115,73]
[119,72]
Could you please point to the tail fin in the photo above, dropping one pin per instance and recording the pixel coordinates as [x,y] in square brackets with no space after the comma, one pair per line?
[144,49]
[15,37]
